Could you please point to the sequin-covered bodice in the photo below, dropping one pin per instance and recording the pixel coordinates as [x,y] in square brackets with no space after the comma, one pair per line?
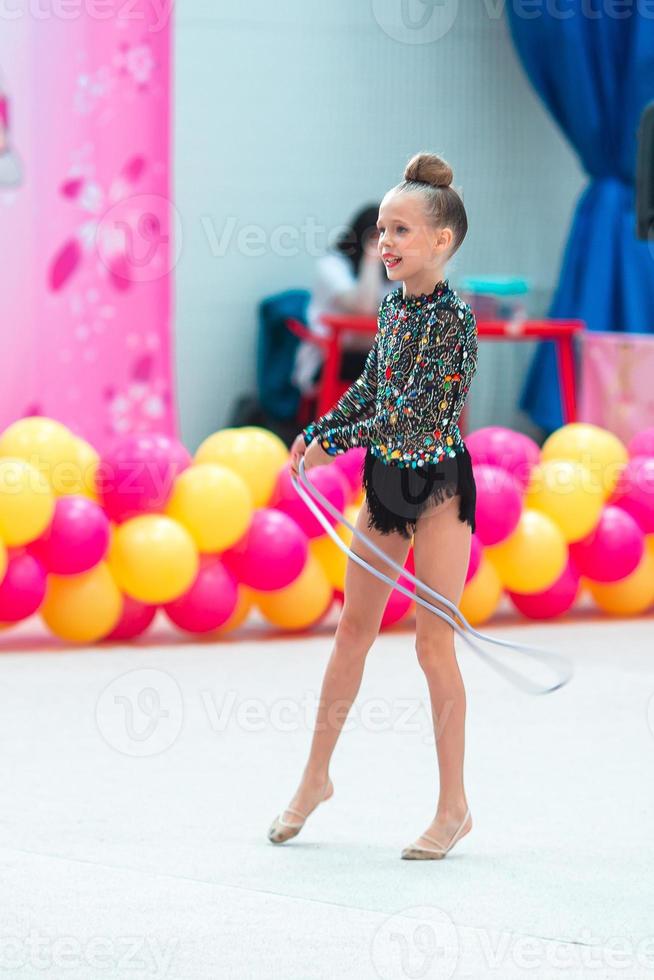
[406,403]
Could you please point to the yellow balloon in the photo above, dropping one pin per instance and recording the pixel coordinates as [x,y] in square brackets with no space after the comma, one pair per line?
[599,450]
[563,489]
[78,477]
[301,603]
[482,593]
[27,502]
[213,503]
[153,558]
[533,556]
[82,608]
[45,443]
[630,596]
[255,454]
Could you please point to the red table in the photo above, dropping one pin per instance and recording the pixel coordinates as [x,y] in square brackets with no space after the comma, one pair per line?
[562,332]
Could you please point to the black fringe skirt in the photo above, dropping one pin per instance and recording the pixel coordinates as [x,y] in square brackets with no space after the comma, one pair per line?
[397,495]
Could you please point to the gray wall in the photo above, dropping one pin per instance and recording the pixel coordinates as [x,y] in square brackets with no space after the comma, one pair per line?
[289,116]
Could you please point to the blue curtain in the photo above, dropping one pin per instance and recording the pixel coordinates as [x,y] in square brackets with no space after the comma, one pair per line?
[595,73]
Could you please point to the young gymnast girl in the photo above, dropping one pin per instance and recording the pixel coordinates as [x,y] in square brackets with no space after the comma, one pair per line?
[418,481]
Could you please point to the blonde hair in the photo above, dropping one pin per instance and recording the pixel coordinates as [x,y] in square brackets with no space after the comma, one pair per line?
[430,176]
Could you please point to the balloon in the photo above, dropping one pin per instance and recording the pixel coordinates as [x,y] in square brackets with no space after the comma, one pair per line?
[23,587]
[476,552]
[498,506]
[511,451]
[634,491]
[153,558]
[76,539]
[272,553]
[328,480]
[244,603]
[135,619]
[598,450]
[301,603]
[85,469]
[209,602]
[350,464]
[136,476]
[254,453]
[482,594]
[533,557]
[82,608]
[563,489]
[552,602]
[45,444]
[642,444]
[397,607]
[213,503]
[612,550]
[632,595]
[27,502]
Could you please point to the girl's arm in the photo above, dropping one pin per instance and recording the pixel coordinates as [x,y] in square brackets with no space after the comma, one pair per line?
[352,407]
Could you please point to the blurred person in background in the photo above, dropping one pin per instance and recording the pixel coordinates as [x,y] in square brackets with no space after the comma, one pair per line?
[350,278]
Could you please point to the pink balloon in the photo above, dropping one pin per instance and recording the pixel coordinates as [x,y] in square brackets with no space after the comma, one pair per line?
[76,539]
[499,504]
[476,551]
[135,619]
[397,606]
[209,602]
[23,587]
[511,451]
[272,552]
[642,444]
[634,491]
[552,602]
[137,474]
[350,465]
[612,550]
[328,480]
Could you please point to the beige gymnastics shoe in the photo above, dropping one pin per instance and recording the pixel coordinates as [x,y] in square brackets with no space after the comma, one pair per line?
[281,830]
[415,852]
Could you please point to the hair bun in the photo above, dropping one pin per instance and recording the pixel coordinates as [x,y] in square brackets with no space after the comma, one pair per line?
[428,168]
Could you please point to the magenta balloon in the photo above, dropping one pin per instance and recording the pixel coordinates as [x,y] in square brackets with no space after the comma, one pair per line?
[76,539]
[271,554]
[350,464]
[634,491]
[209,602]
[327,480]
[511,451]
[612,550]
[23,588]
[476,551]
[396,607]
[135,619]
[642,444]
[552,602]
[137,474]
[499,504]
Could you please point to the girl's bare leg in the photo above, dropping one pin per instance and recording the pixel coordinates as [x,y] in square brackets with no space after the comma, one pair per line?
[365,598]
[441,551]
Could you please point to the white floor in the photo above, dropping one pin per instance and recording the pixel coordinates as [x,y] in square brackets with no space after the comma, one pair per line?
[139,783]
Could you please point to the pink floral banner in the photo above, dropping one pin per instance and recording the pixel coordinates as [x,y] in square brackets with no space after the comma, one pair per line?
[616,382]
[87,228]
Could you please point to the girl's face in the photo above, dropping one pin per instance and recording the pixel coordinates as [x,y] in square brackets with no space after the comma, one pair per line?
[408,244]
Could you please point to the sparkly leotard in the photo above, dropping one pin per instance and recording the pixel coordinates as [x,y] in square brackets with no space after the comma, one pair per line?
[406,403]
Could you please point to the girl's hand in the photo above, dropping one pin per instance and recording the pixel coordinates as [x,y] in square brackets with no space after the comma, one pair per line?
[298,450]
